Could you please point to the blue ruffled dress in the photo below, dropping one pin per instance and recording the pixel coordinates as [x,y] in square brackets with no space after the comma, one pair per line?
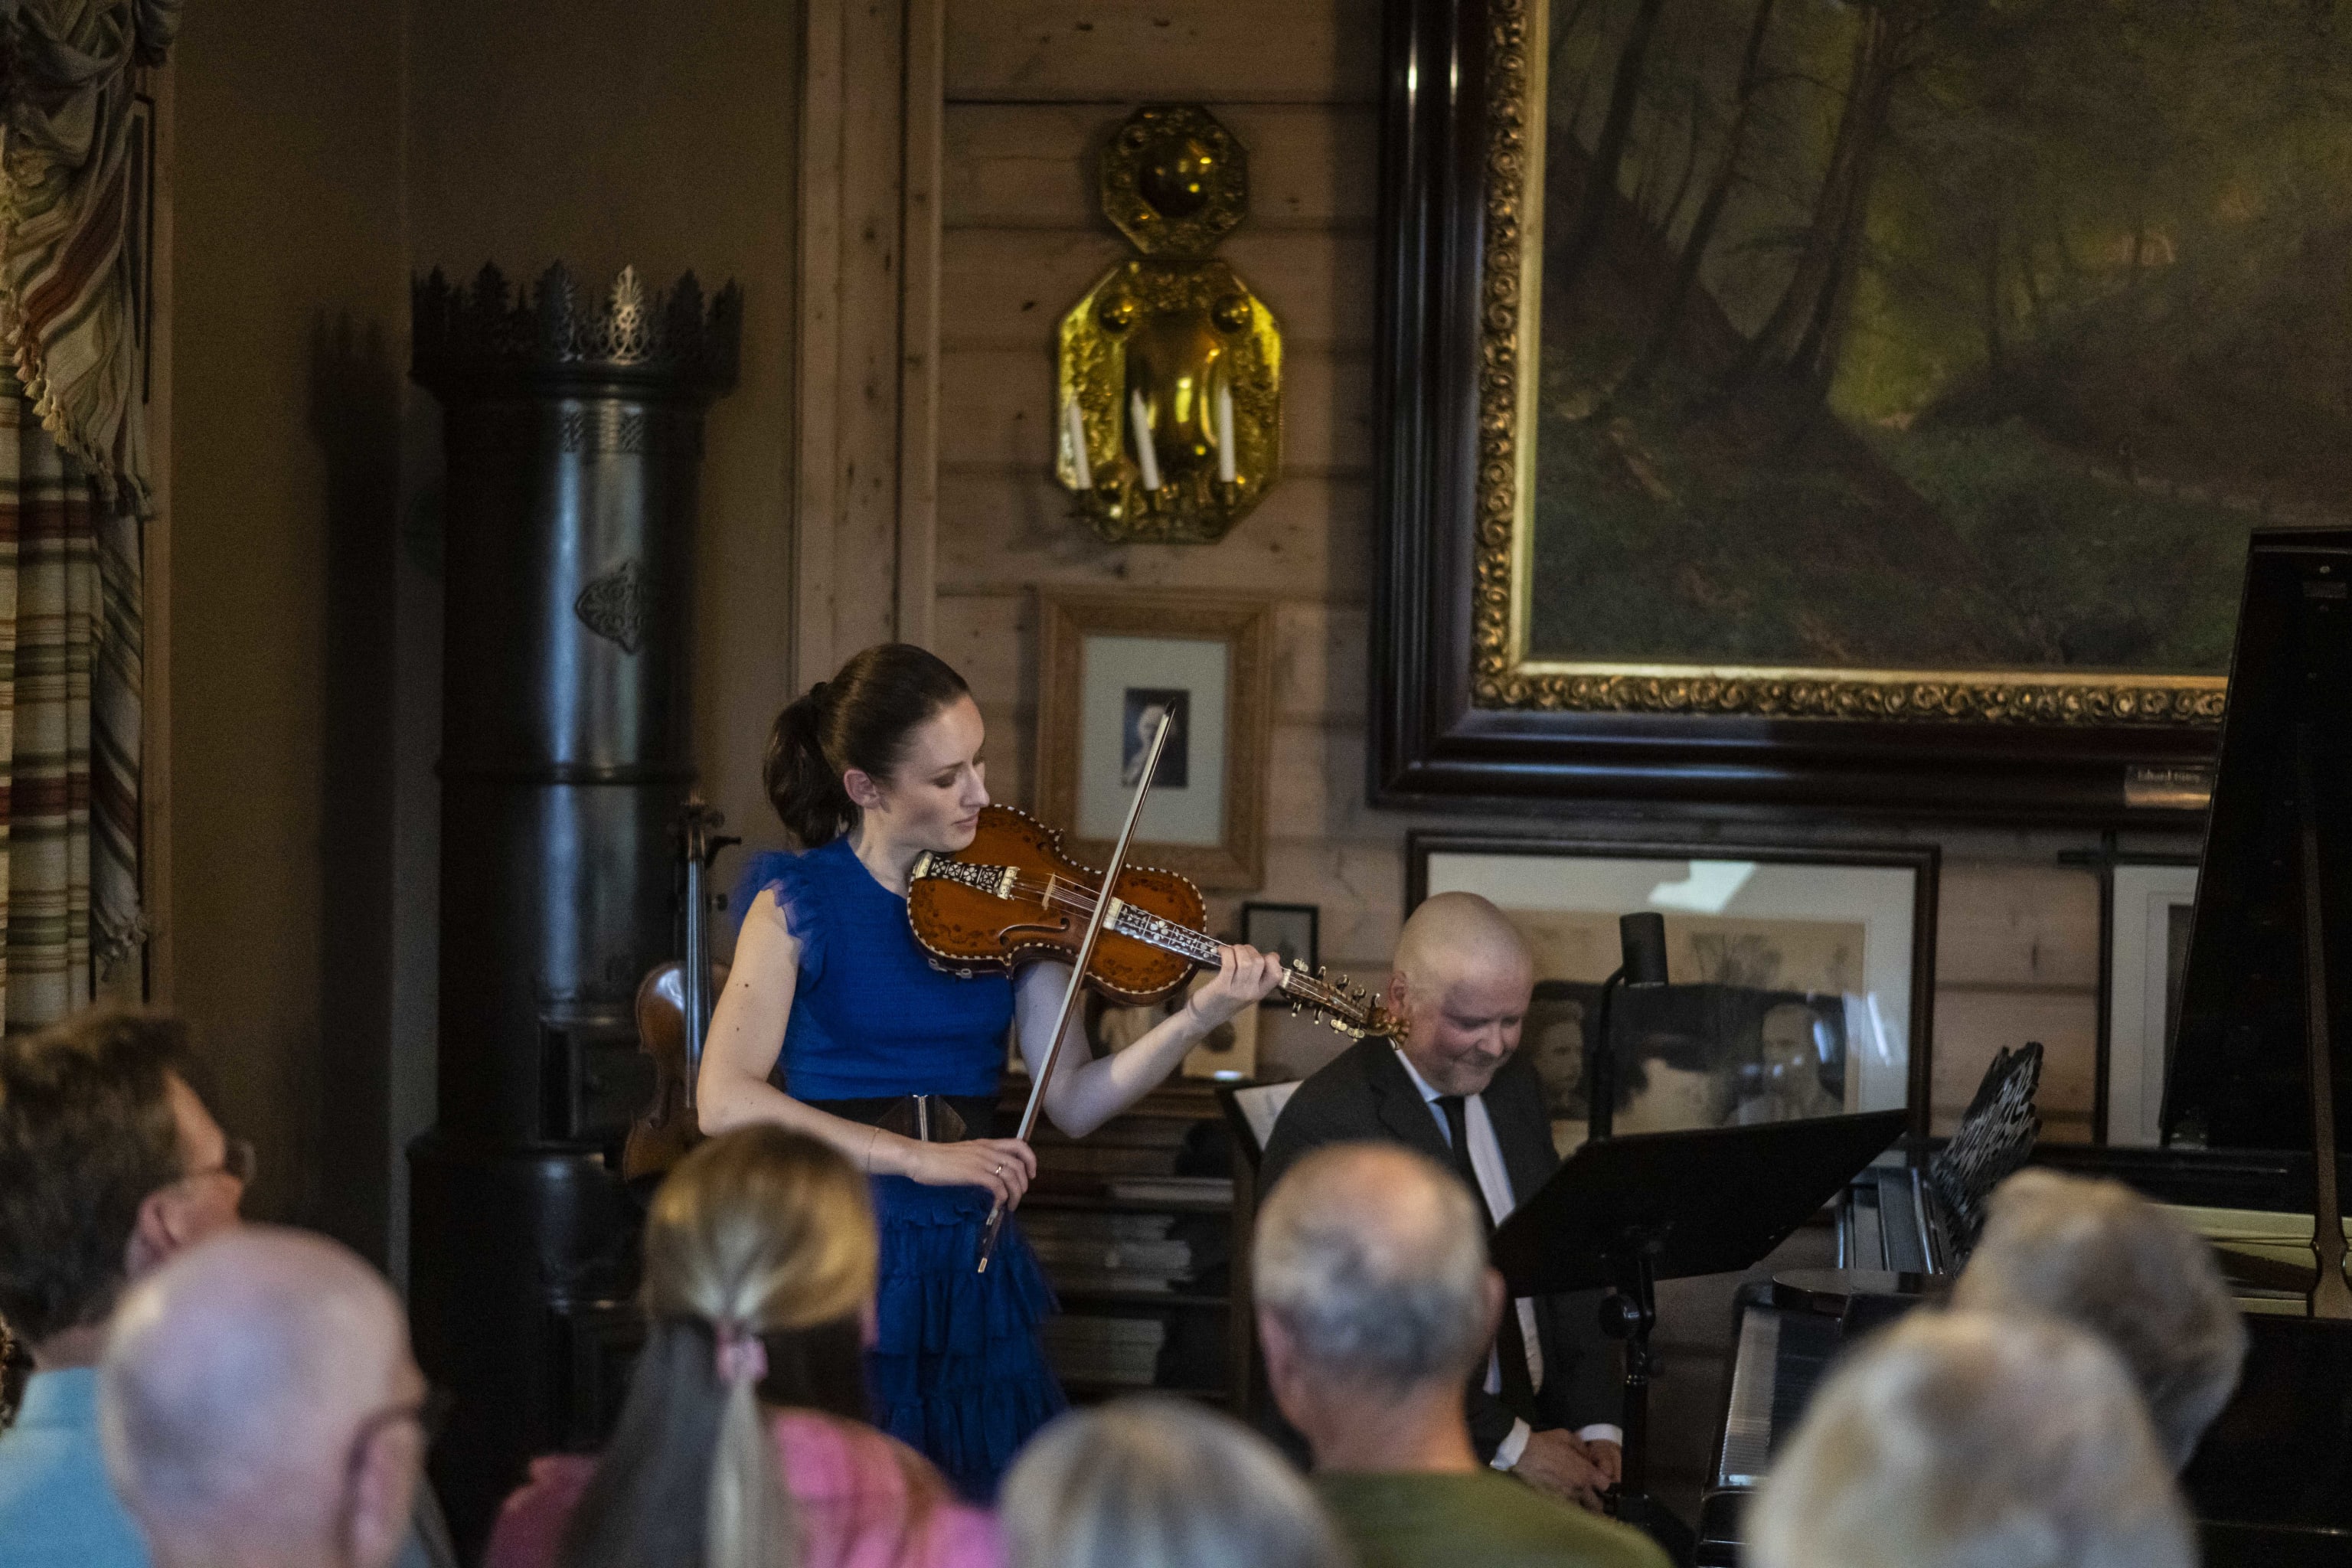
[957,1371]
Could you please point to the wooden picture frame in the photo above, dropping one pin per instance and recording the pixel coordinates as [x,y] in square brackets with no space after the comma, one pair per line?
[1770,915]
[1292,932]
[1206,816]
[1459,711]
[2144,903]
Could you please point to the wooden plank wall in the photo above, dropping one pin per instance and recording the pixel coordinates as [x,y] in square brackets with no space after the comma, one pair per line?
[1033,87]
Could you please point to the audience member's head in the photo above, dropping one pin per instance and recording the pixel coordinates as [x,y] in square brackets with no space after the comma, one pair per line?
[759,1260]
[1461,980]
[259,1407]
[2098,1255]
[1970,1440]
[1157,1482]
[1374,1296]
[15,1364]
[109,1166]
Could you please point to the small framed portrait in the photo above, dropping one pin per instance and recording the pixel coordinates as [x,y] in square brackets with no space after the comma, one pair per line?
[1228,1054]
[1142,708]
[2148,906]
[1799,978]
[1287,930]
[1112,668]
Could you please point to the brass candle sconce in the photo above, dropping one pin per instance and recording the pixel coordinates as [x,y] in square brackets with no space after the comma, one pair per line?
[1169,371]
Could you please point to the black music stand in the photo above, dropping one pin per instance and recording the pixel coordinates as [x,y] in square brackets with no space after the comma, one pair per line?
[1627,1212]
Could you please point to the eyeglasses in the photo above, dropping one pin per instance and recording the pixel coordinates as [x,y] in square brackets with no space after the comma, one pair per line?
[238,1159]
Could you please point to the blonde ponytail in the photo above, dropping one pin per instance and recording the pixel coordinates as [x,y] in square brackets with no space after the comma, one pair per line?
[750,1520]
[760,1242]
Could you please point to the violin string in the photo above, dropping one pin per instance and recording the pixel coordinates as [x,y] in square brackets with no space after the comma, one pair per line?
[1308,988]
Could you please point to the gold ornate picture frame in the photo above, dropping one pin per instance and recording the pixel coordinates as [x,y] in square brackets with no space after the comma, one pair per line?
[1109,664]
[1469,700]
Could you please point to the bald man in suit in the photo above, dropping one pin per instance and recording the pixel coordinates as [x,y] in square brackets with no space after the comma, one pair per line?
[1546,1405]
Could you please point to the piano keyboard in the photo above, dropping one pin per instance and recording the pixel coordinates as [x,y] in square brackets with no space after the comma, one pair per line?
[1780,1362]
[1747,1425]
[1888,1238]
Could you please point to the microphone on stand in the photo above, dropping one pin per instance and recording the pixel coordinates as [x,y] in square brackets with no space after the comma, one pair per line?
[1642,949]
[1641,938]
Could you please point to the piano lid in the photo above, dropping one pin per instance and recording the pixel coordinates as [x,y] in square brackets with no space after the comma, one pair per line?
[2237,1077]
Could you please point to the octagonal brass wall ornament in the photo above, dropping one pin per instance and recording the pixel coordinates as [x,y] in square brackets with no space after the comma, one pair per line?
[1174,181]
[1167,378]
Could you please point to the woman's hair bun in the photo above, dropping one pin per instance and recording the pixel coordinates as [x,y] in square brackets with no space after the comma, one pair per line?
[860,719]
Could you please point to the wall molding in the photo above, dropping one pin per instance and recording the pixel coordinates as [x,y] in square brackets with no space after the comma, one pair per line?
[865,405]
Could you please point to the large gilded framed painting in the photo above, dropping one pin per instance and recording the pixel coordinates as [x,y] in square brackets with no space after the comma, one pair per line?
[1851,403]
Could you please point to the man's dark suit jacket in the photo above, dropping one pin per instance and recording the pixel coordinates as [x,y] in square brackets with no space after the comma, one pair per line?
[1365,1096]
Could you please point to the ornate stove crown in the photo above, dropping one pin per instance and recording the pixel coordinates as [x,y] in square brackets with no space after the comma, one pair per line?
[462,333]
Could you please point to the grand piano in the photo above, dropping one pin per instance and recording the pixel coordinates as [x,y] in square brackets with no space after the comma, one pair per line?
[2258,1078]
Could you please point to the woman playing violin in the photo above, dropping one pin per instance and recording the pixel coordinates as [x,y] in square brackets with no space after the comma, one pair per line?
[834,1021]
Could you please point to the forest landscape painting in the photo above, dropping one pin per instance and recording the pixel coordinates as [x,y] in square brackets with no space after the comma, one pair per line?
[1933,335]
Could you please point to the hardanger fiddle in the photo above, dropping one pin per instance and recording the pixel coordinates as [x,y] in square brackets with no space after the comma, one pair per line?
[1014,897]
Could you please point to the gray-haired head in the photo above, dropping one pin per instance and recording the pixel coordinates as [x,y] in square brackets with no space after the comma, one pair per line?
[1373,1260]
[1160,1482]
[256,1402]
[1972,1440]
[2098,1255]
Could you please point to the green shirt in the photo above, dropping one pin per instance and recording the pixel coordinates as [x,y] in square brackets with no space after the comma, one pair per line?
[1425,1521]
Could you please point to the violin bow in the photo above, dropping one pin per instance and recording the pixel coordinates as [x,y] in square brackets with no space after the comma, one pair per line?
[1103,901]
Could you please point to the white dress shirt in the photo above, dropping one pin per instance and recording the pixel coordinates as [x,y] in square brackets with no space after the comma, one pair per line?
[1494,1185]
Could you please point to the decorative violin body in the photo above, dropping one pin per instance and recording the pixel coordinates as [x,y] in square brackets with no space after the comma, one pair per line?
[673,1010]
[665,1130]
[1012,896]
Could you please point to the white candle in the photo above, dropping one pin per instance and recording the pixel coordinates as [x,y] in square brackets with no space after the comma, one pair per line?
[1145,458]
[1074,426]
[1226,456]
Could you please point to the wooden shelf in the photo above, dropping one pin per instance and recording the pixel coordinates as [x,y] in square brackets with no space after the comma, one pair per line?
[1176,1133]
[1100,1203]
[1082,1389]
[1111,1296]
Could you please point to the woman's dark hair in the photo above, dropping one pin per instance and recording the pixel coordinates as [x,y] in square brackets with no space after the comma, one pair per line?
[860,719]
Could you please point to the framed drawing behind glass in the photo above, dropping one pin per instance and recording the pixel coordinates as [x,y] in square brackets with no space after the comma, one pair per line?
[1859,404]
[1290,931]
[1801,978]
[2148,905]
[1109,666]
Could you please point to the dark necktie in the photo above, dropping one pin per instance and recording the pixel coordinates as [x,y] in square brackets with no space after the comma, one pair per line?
[1510,1341]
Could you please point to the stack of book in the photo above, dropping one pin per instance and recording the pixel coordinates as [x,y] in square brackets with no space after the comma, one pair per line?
[1114,1351]
[1085,1250]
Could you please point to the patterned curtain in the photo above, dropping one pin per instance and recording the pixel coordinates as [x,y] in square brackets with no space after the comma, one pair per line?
[73,494]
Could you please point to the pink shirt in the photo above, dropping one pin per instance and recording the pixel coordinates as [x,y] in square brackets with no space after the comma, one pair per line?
[850,1482]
